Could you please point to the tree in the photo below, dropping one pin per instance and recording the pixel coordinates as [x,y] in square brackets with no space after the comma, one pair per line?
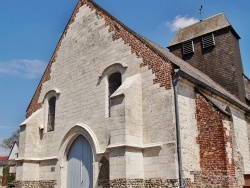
[8,142]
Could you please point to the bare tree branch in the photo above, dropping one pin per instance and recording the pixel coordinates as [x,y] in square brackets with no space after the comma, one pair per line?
[8,142]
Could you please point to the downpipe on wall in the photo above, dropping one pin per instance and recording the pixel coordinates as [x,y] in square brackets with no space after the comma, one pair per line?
[175,84]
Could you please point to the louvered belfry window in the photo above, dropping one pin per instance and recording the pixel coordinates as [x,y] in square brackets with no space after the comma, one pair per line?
[51,114]
[115,80]
[187,47]
[208,41]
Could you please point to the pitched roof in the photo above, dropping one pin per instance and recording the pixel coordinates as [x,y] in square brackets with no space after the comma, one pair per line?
[196,76]
[8,163]
[203,27]
[188,71]
[15,144]
[4,158]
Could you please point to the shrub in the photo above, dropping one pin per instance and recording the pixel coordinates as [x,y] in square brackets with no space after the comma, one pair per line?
[12,177]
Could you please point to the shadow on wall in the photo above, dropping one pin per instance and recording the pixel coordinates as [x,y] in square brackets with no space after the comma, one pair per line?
[151,152]
[103,176]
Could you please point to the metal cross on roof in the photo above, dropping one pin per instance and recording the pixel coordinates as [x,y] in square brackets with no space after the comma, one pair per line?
[200,9]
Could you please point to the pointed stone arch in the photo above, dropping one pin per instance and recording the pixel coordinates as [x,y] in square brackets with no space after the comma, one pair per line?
[74,132]
[68,139]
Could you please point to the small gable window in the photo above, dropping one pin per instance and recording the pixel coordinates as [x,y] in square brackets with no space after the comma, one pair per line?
[187,47]
[208,41]
[115,80]
[51,114]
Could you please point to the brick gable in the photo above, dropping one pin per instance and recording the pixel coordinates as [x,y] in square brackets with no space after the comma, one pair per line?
[159,66]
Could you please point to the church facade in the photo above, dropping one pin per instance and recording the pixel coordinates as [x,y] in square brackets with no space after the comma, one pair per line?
[110,105]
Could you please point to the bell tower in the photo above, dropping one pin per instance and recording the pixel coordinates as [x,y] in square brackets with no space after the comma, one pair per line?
[212,46]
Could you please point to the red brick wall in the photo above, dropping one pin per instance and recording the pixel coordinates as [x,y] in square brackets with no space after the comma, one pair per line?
[159,66]
[216,169]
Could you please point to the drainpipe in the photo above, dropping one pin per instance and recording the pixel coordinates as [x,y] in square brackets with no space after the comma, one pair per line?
[175,83]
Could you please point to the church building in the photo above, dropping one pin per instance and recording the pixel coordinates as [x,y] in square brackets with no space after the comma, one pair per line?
[115,110]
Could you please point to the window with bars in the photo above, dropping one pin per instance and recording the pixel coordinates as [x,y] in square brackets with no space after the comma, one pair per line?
[51,114]
[187,47]
[115,80]
[208,41]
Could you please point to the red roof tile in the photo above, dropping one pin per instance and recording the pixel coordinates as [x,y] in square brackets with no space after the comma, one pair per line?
[3,158]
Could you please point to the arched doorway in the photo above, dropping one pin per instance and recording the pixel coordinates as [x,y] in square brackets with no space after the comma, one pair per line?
[79,164]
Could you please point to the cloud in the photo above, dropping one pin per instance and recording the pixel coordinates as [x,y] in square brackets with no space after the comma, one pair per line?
[27,68]
[181,22]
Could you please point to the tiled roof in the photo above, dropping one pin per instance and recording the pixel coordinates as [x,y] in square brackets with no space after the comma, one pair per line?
[188,71]
[196,76]
[8,163]
[203,27]
[3,158]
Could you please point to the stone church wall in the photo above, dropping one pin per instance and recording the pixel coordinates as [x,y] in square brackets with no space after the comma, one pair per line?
[139,145]
[189,129]
[81,76]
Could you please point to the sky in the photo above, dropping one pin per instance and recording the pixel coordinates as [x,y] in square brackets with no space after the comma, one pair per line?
[30,30]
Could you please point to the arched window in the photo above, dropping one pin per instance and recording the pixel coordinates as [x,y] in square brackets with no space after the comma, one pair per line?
[115,80]
[51,114]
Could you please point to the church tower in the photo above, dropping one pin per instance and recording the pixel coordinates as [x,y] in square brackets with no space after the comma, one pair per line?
[212,46]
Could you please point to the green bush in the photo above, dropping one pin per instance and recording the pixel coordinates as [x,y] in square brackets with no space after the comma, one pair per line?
[5,175]
[11,178]
[5,170]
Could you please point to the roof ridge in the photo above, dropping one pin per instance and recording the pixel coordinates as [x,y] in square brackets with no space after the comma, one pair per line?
[208,25]
[223,91]
[202,20]
[213,16]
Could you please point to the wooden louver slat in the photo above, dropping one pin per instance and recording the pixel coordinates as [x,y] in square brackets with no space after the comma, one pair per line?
[208,41]
[187,47]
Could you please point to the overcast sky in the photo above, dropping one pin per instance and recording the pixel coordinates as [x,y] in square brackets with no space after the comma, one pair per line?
[30,30]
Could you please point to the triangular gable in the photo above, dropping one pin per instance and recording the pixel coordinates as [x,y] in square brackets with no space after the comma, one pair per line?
[13,152]
[34,105]
[159,60]
[160,66]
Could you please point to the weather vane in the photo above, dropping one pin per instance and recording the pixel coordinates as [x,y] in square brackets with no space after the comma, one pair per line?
[200,13]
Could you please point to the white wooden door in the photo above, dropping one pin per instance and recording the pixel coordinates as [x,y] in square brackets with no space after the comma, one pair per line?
[79,164]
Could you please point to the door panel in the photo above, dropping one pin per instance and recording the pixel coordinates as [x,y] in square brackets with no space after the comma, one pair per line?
[79,161]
